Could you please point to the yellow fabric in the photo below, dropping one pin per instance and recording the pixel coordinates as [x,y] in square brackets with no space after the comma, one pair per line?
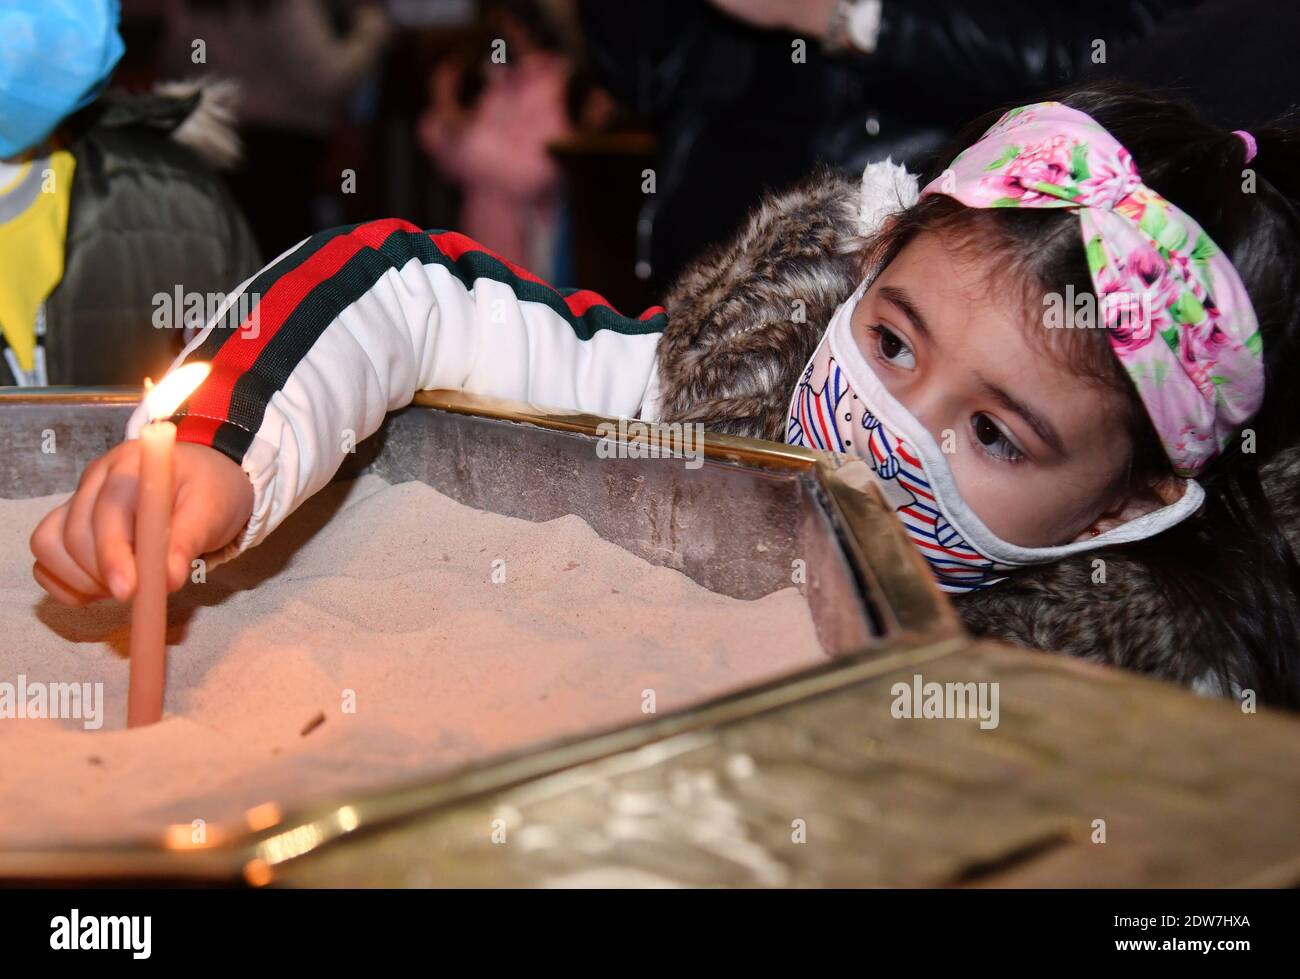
[32,245]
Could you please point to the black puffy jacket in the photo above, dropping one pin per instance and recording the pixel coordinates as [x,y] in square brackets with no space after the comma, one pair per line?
[736,114]
[147,215]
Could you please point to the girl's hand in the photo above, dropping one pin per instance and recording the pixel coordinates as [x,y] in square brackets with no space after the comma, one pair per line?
[85,548]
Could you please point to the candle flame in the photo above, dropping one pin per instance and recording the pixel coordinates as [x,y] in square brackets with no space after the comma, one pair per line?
[162,399]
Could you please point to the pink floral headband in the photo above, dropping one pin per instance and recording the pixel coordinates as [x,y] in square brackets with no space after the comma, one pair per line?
[1176,312]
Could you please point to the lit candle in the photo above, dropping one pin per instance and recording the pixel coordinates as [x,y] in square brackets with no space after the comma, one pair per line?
[153,518]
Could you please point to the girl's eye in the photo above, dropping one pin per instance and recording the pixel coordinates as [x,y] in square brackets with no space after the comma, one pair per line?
[892,348]
[994,441]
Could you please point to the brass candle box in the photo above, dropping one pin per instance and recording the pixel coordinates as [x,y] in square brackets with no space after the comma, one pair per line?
[811,780]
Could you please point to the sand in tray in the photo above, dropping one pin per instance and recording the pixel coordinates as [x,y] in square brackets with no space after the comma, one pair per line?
[374,608]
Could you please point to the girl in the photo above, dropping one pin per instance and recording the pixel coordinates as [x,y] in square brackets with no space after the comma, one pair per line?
[1007,432]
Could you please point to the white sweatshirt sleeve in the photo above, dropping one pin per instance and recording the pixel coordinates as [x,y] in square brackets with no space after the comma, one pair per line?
[311,353]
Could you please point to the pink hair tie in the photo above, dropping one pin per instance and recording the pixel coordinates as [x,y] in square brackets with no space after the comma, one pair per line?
[1251,146]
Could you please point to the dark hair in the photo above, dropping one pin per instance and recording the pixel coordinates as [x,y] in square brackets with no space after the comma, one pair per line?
[1229,571]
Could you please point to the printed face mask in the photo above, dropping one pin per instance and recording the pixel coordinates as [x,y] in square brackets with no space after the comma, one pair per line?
[841,407]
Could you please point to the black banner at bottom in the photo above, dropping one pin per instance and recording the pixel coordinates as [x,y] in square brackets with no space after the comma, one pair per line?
[329,929]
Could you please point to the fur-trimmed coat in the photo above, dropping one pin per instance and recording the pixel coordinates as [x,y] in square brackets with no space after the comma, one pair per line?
[733,352]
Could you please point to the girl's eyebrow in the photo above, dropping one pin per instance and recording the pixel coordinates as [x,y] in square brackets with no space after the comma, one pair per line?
[903,301]
[1041,426]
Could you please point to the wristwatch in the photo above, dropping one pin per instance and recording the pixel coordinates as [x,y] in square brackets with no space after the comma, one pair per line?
[854,25]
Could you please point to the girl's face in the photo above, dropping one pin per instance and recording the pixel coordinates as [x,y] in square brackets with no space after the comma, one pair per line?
[1037,451]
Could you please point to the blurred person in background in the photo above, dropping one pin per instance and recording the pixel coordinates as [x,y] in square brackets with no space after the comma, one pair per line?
[490,121]
[740,108]
[109,203]
[295,73]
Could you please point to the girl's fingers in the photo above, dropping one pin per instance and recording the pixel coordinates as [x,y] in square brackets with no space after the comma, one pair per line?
[79,532]
[60,591]
[85,549]
[48,546]
[113,529]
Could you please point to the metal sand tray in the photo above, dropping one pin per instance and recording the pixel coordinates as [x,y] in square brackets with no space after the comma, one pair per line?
[809,780]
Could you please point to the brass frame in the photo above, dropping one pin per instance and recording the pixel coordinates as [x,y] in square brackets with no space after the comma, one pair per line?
[919,624]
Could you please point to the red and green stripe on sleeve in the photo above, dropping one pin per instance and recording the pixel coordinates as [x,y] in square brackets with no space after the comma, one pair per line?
[259,342]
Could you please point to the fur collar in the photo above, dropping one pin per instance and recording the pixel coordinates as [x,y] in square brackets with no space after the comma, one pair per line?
[744,319]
